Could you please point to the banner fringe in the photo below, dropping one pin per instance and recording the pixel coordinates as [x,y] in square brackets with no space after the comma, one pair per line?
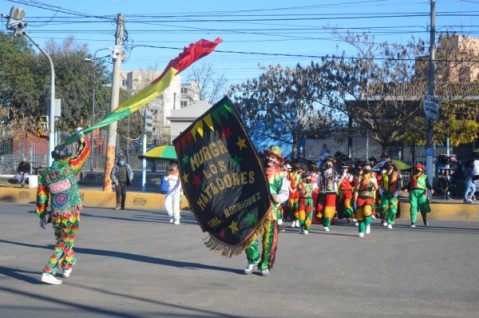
[226,250]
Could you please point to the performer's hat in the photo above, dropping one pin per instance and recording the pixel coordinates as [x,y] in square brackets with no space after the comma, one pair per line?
[419,166]
[61,152]
[275,151]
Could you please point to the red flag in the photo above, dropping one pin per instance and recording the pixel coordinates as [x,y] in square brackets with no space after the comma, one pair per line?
[189,55]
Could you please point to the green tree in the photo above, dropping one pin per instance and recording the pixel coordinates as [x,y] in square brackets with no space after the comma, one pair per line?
[75,81]
[25,78]
[20,84]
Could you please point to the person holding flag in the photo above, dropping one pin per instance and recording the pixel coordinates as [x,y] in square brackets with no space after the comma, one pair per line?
[278,187]
[57,187]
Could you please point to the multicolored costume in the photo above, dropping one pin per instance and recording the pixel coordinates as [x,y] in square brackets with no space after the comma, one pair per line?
[418,194]
[389,190]
[305,213]
[364,196]
[293,200]
[278,188]
[345,195]
[327,183]
[58,188]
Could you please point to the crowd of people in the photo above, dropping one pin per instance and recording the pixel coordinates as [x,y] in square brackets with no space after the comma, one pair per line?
[338,188]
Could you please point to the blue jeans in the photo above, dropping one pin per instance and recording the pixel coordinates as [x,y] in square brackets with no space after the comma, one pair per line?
[470,189]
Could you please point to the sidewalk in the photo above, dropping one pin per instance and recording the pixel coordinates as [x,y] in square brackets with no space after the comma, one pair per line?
[453,209]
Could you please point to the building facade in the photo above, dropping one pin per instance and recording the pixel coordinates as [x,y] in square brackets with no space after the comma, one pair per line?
[178,95]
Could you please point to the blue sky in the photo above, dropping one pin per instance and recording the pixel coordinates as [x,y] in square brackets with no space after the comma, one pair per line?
[254,32]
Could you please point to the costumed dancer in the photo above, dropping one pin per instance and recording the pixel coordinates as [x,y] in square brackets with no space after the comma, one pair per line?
[278,188]
[57,187]
[283,206]
[390,185]
[314,171]
[345,193]
[364,196]
[418,188]
[305,188]
[293,200]
[173,194]
[327,183]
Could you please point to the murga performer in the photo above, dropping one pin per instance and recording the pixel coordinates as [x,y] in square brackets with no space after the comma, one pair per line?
[279,190]
[57,188]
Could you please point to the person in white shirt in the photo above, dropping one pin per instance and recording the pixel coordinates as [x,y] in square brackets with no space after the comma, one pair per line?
[173,195]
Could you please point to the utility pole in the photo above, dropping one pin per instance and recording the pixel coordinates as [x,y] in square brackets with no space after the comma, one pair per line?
[431,90]
[115,97]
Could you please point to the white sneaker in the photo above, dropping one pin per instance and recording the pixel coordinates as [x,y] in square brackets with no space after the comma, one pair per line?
[250,269]
[356,224]
[50,279]
[368,229]
[326,229]
[280,221]
[413,225]
[177,222]
[293,224]
[67,272]
[305,232]
[361,234]
[373,217]
[172,220]
[390,226]
[265,272]
[384,223]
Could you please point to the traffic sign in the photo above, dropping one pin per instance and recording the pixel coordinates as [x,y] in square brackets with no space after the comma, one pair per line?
[432,105]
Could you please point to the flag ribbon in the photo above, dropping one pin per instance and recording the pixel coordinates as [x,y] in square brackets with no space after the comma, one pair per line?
[190,54]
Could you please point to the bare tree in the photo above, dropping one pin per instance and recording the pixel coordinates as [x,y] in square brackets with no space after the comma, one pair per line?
[211,86]
[371,88]
[282,103]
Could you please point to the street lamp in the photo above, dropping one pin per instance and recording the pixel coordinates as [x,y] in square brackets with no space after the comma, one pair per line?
[16,24]
[93,102]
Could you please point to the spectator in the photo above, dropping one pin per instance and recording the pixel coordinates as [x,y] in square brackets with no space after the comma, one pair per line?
[121,176]
[470,188]
[475,165]
[23,171]
[173,195]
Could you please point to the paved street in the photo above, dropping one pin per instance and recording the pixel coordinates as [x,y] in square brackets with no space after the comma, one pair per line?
[135,264]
